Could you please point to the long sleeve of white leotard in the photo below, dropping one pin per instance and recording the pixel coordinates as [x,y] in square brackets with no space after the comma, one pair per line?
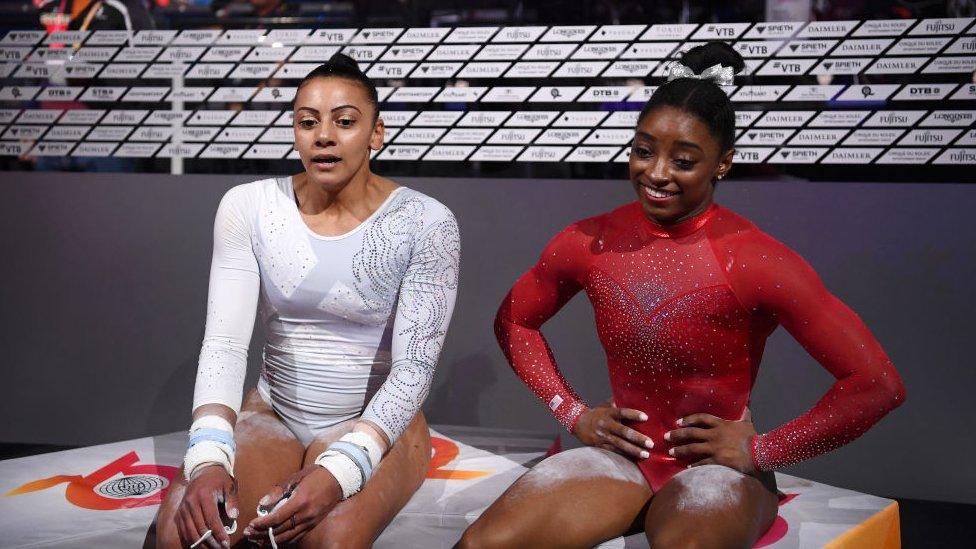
[231,307]
[424,308]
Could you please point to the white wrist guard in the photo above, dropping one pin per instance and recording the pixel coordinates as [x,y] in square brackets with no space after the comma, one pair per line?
[363,440]
[211,442]
[345,471]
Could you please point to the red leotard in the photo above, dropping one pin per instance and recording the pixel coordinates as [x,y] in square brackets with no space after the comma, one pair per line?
[683,313]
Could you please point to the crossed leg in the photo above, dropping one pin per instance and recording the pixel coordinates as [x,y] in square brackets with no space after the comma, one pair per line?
[585,496]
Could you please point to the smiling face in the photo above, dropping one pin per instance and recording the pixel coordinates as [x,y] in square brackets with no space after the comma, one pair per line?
[335,126]
[674,161]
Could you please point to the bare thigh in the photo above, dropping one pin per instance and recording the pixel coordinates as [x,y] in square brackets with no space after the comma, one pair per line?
[267,454]
[711,506]
[576,498]
[359,520]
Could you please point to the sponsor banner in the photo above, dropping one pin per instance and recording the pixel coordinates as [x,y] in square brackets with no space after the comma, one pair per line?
[40,55]
[122,71]
[60,93]
[396,118]
[624,156]
[827,29]
[241,37]
[592,154]
[580,119]
[900,155]
[514,136]
[152,133]
[773,30]
[747,94]
[484,70]
[792,67]
[99,150]
[752,155]
[919,46]
[924,92]
[181,54]
[470,35]
[436,118]
[941,26]
[19,93]
[6,69]
[109,133]
[491,153]
[609,137]
[436,70]
[508,94]
[321,37]
[957,156]
[153,37]
[797,155]
[196,134]
[406,53]
[721,31]
[238,134]
[615,33]
[449,152]
[103,93]
[501,52]
[66,133]
[896,65]
[254,71]
[630,69]
[542,52]
[818,137]
[179,150]
[29,133]
[459,94]
[580,69]
[518,34]
[868,92]
[856,47]
[232,94]
[314,54]
[269,55]
[562,136]
[896,119]
[8,115]
[14,148]
[532,69]
[816,93]
[390,70]
[364,54]
[275,95]
[968,139]
[949,118]
[39,116]
[202,37]
[169,118]
[844,155]
[473,136]
[190,95]
[854,65]
[413,94]
[884,27]
[492,119]
[68,37]
[287,118]
[133,54]
[454,52]
[287,135]
[784,119]
[170,71]
[423,35]
[147,94]
[210,117]
[742,118]
[531,119]
[757,48]
[425,136]
[951,65]
[880,136]
[764,137]
[609,50]
[91,54]
[52,148]
[224,150]
[543,154]
[82,116]
[649,50]
[377,36]
[402,152]
[269,151]
[576,33]
[678,31]
[929,138]
[604,94]
[963,45]
[286,37]
[137,150]
[22,38]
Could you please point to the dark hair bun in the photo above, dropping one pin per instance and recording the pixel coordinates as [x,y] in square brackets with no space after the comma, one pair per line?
[708,55]
[344,61]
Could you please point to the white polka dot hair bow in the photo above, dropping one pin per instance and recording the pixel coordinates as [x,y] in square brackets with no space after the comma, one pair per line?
[721,75]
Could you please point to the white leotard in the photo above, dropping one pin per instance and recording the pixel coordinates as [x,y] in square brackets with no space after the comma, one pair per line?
[354,322]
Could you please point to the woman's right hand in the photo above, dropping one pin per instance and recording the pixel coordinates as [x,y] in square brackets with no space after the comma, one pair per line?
[198,510]
[602,426]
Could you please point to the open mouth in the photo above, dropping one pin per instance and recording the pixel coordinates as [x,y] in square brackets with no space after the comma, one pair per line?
[325,161]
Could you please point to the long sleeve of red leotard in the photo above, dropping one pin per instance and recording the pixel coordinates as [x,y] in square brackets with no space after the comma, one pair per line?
[772,279]
[537,296]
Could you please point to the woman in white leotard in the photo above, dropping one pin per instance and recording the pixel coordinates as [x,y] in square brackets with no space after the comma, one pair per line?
[355,279]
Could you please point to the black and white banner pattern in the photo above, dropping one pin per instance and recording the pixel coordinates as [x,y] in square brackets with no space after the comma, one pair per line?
[537,94]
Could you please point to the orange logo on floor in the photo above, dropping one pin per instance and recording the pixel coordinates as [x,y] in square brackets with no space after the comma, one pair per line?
[122,484]
[444,452]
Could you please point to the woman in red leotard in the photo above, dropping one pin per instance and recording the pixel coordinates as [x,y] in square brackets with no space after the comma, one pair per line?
[685,294]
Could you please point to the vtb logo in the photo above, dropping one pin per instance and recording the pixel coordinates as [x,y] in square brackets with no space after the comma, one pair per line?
[146,484]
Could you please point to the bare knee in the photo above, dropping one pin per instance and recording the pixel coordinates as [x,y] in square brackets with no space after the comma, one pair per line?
[481,536]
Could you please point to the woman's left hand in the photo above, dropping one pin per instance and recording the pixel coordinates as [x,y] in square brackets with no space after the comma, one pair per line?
[314,492]
[703,439]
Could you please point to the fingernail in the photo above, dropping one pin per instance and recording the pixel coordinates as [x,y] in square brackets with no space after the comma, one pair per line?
[232,512]
[265,500]
[667,436]
[248,531]
[601,423]
[226,544]
[600,433]
[643,416]
[649,443]
[671,451]
[679,422]
[644,454]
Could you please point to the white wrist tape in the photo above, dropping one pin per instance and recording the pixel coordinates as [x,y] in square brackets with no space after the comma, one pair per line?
[344,469]
[207,453]
[364,440]
[211,439]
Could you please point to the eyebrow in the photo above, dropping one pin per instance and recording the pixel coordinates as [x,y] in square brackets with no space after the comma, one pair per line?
[688,144]
[340,107]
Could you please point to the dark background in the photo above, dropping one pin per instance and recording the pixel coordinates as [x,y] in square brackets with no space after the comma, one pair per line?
[104,294]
